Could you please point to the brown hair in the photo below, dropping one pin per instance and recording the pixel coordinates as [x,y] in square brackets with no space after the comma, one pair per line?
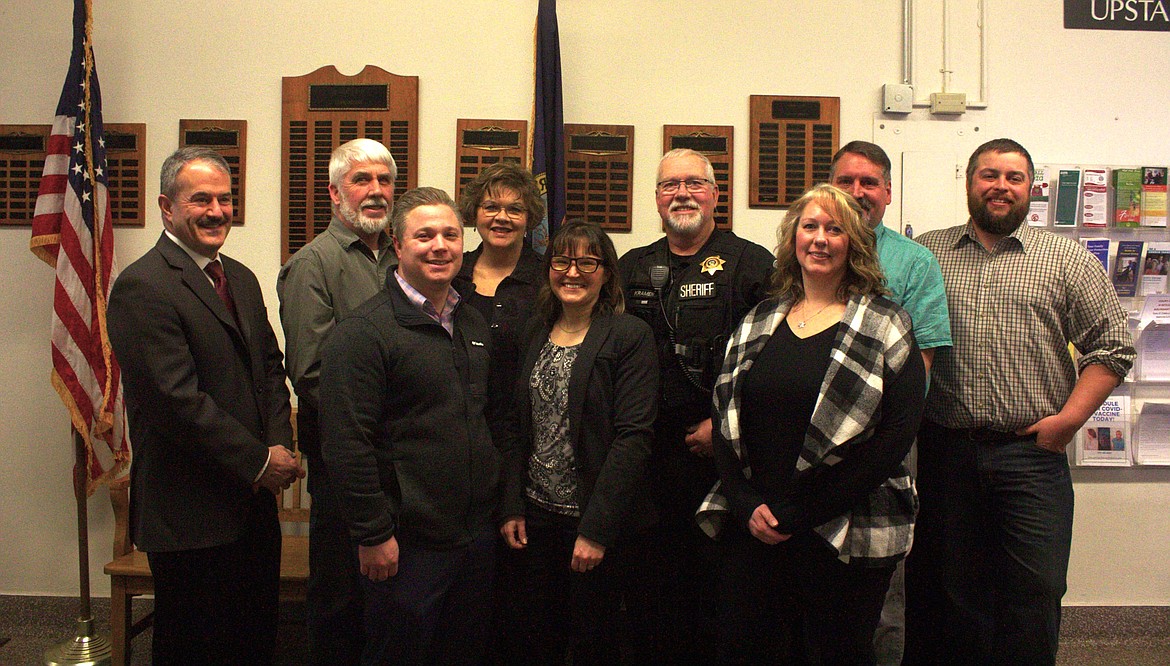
[502,175]
[611,300]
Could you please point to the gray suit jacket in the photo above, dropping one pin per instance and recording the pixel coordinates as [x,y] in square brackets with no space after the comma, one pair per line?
[205,397]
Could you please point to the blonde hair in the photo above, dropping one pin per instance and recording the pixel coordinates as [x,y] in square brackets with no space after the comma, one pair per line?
[863,271]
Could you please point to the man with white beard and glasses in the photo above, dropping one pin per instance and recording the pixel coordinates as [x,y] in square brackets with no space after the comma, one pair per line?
[693,286]
[987,571]
[319,286]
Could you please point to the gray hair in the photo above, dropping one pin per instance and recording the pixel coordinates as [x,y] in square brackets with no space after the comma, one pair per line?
[358,151]
[181,158]
[686,152]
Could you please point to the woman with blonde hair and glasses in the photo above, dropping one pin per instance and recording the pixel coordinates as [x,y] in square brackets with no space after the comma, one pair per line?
[816,407]
[576,502]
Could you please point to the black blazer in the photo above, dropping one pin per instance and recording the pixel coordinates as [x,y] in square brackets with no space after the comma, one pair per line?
[205,397]
[613,401]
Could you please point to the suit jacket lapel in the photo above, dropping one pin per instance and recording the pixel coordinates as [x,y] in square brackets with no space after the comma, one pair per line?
[198,282]
[599,331]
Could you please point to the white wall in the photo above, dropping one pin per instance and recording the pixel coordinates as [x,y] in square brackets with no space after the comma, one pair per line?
[644,63]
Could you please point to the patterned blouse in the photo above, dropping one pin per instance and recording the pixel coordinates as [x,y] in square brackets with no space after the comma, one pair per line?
[552,468]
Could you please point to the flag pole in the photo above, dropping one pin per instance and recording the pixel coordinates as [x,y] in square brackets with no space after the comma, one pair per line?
[87,646]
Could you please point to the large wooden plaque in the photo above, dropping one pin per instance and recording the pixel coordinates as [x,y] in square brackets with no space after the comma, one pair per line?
[599,174]
[228,138]
[792,144]
[126,172]
[323,110]
[716,143]
[480,143]
[22,161]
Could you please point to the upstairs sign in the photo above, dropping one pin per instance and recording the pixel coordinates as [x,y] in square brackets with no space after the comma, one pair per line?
[1149,15]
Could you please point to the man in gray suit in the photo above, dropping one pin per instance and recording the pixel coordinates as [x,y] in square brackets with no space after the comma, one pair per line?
[209,419]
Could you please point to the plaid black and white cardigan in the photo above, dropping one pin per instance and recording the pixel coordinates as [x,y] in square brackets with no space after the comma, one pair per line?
[872,345]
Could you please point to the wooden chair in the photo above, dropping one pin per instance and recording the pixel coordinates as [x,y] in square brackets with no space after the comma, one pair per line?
[130,575]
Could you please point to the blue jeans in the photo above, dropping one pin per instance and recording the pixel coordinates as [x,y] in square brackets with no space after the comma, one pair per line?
[987,571]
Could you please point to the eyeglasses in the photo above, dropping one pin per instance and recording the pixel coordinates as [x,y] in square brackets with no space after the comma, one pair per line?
[561,263]
[693,185]
[512,211]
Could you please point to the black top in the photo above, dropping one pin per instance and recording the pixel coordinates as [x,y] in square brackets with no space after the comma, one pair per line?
[506,313]
[404,435]
[779,394]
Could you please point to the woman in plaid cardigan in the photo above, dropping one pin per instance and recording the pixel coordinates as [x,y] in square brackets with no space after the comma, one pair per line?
[816,408]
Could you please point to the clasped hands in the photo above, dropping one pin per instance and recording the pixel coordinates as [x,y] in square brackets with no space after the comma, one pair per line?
[281,472]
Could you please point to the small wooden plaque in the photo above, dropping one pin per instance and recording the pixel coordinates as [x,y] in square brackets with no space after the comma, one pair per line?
[479,143]
[716,143]
[228,138]
[599,174]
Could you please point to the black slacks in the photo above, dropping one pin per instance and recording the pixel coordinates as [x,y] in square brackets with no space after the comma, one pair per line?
[220,605]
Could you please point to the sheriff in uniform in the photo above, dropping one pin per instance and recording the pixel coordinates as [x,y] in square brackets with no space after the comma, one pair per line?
[692,286]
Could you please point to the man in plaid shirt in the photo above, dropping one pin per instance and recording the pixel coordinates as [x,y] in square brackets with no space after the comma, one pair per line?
[987,572]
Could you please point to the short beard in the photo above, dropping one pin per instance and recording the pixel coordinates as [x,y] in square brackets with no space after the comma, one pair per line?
[365,225]
[689,226]
[996,226]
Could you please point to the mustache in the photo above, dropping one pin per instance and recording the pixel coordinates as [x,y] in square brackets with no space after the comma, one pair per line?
[687,203]
[375,200]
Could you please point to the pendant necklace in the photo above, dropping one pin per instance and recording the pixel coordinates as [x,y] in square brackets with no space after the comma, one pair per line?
[801,324]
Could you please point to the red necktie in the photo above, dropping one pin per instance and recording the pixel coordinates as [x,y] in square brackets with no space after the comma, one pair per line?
[215,270]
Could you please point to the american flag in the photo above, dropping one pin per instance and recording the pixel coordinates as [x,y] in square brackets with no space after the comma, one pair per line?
[73,232]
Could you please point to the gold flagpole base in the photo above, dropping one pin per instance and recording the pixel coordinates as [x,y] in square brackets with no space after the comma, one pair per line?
[87,647]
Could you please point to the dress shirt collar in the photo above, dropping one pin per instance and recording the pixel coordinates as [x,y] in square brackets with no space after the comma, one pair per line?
[200,260]
[446,319]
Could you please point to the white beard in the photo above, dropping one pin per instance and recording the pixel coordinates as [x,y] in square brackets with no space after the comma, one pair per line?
[366,225]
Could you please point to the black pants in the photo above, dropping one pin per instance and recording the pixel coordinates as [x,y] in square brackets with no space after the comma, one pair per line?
[678,574]
[555,611]
[220,605]
[795,602]
[333,604]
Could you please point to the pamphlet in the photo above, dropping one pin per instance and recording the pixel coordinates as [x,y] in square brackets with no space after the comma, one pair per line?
[1153,340]
[1153,445]
[1068,196]
[1038,205]
[1126,267]
[1127,197]
[1099,248]
[1095,199]
[1153,279]
[1105,437]
[1153,196]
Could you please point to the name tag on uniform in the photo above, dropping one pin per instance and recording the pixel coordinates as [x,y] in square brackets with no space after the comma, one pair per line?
[696,290]
[476,343]
[642,293]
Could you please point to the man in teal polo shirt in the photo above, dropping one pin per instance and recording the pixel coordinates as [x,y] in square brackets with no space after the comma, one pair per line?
[915,280]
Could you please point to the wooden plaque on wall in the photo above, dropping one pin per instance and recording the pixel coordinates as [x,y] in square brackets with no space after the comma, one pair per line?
[228,138]
[792,144]
[22,161]
[480,143]
[599,174]
[716,143]
[126,172]
[323,110]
